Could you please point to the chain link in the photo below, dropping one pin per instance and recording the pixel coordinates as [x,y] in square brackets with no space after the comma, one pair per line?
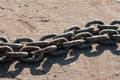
[31,57]
[43,38]
[27,50]
[3,51]
[71,28]
[20,40]
[110,33]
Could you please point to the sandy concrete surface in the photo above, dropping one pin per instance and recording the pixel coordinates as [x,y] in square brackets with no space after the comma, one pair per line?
[35,18]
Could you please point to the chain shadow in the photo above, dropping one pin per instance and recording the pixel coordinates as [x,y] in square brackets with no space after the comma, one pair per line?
[19,67]
[113,48]
[75,53]
[61,60]
[101,48]
[93,53]
[4,67]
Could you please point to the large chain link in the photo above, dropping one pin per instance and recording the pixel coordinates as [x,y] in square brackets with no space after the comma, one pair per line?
[27,50]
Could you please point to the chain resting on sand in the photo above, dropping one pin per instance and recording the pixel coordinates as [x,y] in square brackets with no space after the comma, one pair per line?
[27,50]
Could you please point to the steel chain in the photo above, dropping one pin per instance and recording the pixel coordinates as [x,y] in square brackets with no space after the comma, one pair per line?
[27,50]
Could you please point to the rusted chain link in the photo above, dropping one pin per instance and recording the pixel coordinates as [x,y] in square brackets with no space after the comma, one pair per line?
[27,50]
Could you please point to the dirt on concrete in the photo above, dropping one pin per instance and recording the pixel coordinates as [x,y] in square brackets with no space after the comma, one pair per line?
[35,18]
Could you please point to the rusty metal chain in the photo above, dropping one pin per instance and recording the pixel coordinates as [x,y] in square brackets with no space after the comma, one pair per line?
[27,50]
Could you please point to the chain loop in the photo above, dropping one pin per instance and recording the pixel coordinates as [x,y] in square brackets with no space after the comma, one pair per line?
[41,44]
[88,29]
[115,22]
[101,27]
[17,54]
[58,42]
[4,39]
[67,35]
[97,38]
[92,22]
[72,43]
[43,38]
[3,51]
[31,57]
[20,40]
[72,28]
[116,38]
[110,33]
[44,50]
[14,46]
[83,35]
